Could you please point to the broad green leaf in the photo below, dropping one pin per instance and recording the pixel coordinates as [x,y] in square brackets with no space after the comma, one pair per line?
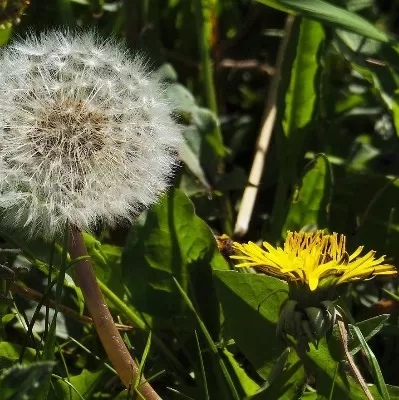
[371,218]
[5,319]
[222,370]
[254,331]
[286,384]
[22,382]
[310,201]
[10,352]
[85,383]
[174,242]
[324,367]
[301,96]
[298,106]
[324,362]
[248,385]
[201,147]
[330,14]
[192,162]
[106,260]
[383,78]
[251,305]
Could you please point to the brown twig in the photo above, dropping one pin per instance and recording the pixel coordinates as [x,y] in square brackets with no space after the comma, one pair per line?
[344,341]
[251,191]
[31,294]
[111,339]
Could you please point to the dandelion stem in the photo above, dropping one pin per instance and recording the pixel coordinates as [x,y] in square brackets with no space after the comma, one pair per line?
[114,346]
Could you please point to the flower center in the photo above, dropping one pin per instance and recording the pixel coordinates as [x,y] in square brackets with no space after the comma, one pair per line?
[316,245]
[68,132]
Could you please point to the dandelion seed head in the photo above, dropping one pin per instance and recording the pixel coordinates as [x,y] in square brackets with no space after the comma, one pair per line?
[86,133]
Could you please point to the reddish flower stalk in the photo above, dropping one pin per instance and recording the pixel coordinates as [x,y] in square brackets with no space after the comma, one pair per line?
[109,335]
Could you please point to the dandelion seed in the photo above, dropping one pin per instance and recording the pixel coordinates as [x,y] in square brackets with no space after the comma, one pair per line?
[86,133]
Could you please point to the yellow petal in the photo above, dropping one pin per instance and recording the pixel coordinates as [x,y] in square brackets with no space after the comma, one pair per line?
[313,282]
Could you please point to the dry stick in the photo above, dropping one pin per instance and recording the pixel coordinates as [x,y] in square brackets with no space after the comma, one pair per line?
[251,191]
[246,64]
[111,339]
[344,341]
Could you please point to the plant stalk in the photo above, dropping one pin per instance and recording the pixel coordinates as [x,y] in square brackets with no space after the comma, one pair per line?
[344,341]
[262,146]
[109,335]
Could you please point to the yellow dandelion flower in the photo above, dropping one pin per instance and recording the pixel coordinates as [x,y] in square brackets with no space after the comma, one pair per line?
[311,258]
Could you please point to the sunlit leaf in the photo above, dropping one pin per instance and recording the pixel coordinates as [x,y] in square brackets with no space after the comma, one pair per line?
[309,205]
[335,16]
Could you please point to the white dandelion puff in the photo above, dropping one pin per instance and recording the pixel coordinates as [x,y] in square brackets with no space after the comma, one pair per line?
[86,133]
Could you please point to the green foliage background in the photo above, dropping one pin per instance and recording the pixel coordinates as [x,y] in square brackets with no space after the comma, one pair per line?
[332,164]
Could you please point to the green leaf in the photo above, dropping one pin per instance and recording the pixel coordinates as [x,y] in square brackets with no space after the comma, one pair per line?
[374,366]
[310,201]
[248,385]
[286,383]
[85,383]
[5,319]
[65,12]
[369,328]
[330,14]
[173,242]
[240,295]
[212,347]
[22,382]
[395,111]
[370,215]
[34,249]
[106,260]
[5,34]
[298,106]
[203,373]
[10,352]
[205,13]
[324,367]
[143,361]
[302,93]
[192,162]
[323,363]
[201,148]
[251,305]
[50,340]
[384,79]
[277,369]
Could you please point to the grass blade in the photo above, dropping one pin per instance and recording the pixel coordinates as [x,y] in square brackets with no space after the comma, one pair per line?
[211,344]
[202,367]
[375,368]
